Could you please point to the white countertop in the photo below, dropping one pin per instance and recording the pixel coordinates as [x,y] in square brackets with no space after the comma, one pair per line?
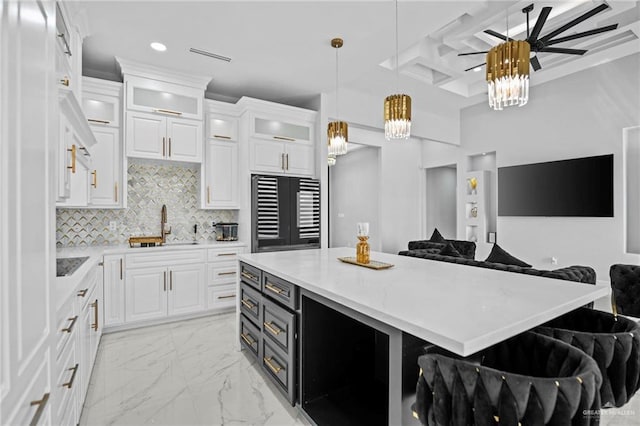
[461,308]
[66,286]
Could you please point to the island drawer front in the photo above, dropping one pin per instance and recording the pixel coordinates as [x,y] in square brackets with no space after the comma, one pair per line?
[249,335]
[177,257]
[250,302]
[224,254]
[250,275]
[277,366]
[279,325]
[280,290]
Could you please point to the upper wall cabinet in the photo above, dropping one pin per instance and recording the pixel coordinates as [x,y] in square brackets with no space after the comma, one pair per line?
[281,130]
[69,49]
[164,112]
[144,94]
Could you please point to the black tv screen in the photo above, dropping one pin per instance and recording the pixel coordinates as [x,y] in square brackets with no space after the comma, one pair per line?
[577,187]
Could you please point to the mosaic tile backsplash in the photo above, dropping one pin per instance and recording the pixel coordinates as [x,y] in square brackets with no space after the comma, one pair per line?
[150,185]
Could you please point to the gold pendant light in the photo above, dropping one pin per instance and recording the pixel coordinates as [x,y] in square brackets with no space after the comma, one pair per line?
[508,72]
[397,108]
[337,131]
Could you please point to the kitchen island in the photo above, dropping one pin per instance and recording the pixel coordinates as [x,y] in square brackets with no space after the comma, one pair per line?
[355,330]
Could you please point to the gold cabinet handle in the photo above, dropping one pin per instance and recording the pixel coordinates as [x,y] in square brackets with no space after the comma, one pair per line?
[208,194]
[95,178]
[163,145]
[227,254]
[274,329]
[121,269]
[115,192]
[167,111]
[169,147]
[272,367]
[41,403]
[165,280]
[248,275]
[83,293]
[245,337]
[248,304]
[227,273]
[94,305]
[273,288]
[231,296]
[170,280]
[65,81]
[282,161]
[69,384]
[94,120]
[70,328]
[86,151]
[222,137]
[284,138]
[73,152]
[286,157]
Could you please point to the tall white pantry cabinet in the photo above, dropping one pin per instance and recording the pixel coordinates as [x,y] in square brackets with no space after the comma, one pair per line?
[28,129]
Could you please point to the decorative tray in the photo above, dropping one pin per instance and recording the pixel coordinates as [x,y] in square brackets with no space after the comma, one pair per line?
[373,264]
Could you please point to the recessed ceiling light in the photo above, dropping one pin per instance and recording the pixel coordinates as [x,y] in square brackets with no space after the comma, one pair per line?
[158,46]
[476,69]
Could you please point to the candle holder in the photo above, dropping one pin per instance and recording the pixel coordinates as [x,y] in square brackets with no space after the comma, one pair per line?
[362,248]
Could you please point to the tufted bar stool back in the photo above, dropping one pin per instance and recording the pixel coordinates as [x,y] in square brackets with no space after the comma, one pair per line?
[625,289]
[530,379]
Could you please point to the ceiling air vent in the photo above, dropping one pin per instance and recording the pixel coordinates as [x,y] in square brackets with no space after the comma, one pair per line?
[209,54]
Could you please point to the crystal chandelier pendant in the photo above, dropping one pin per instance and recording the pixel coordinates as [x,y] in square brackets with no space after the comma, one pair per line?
[337,134]
[508,74]
[397,117]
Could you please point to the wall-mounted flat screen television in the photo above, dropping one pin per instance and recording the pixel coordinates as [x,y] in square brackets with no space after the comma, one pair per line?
[580,187]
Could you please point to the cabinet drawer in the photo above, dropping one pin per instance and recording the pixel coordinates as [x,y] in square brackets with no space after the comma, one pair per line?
[224,255]
[249,335]
[67,322]
[250,302]
[222,297]
[280,368]
[280,290]
[279,325]
[67,376]
[86,288]
[178,257]
[222,273]
[250,275]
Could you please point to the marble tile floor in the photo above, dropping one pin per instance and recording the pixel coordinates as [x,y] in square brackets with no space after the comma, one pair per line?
[189,373]
[185,373]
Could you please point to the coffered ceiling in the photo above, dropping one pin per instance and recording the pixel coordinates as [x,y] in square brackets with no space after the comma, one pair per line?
[280,51]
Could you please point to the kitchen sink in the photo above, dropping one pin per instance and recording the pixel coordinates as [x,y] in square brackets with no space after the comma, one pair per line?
[66,266]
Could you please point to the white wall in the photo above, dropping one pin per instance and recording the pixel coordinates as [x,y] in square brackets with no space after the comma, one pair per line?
[354,197]
[441,194]
[580,115]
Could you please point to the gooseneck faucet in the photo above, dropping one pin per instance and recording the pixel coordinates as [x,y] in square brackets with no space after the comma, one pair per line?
[163,221]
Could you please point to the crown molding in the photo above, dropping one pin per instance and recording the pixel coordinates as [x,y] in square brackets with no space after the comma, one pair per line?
[129,67]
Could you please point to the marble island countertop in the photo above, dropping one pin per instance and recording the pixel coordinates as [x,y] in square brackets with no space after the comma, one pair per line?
[461,308]
[66,285]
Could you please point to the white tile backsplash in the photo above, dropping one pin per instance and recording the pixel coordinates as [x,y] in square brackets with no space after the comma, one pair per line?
[150,185]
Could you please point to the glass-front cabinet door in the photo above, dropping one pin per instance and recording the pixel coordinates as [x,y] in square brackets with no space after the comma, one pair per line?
[163,98]
[101,110]
[272,128]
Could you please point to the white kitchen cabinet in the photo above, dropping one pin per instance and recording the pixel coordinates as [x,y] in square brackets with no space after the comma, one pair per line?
[221,175]
[266,156]
[222,127]
[64,158]
[29,122]
[275,127]
[101,100]
[105,178]
[157,96]
[222,272]
[113,311]
[186,289]
[158,137]
[145,294]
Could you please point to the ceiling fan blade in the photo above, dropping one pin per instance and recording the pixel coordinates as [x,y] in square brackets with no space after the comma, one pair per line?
[471,53]
[563,50]
[582,34]
[535,63]
[496,34]
[477,66]
[542,18]
[575,22]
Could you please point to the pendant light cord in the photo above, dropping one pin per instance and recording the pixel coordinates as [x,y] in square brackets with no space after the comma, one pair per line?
[397,61]
[337,87]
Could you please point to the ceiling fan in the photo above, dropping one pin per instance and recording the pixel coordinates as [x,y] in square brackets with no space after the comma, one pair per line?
[544,43]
